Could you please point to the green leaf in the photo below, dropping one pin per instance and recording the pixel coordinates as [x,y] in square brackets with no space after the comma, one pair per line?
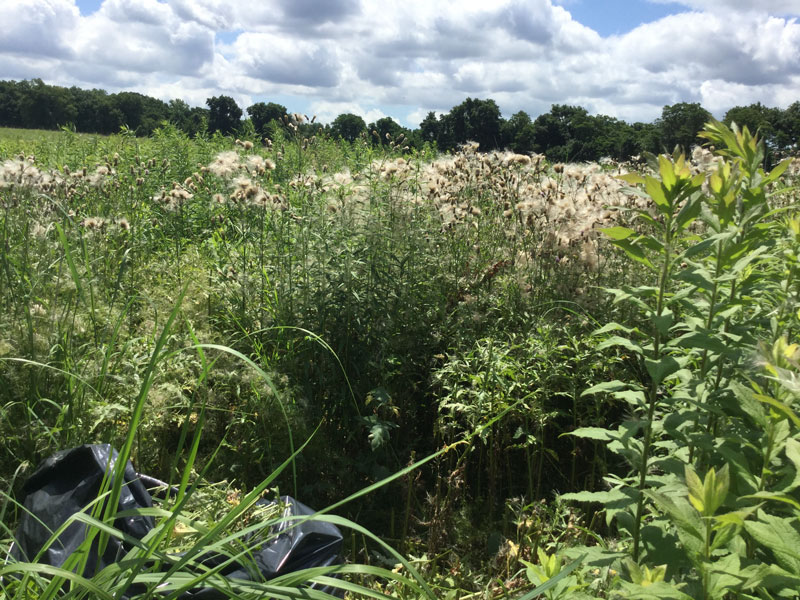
[778,497]
[660,369]
[550,583]
[689,212]
[667,171]
[592,433]
[617,233]
[780,537]
[779,406]
[700,341]
[656,192]
[792,450]
[616,340]
[606,387]
[663,322]
[695,487]
[631,178]
[680,512]
[613,326]
[633,251]
[777,171]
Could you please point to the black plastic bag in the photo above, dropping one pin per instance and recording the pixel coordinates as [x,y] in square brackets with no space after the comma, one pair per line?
[64,484]
[68,481]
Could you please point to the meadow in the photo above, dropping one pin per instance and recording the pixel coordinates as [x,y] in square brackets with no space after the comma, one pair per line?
[503,377]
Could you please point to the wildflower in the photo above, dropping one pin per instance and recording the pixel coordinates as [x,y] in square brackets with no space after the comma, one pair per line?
[123,224]
[225,164]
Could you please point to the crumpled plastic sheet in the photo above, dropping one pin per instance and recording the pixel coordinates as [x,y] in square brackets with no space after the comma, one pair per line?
[69,481]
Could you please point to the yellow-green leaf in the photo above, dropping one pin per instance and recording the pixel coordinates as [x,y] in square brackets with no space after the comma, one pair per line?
[667,172]
[631,178]
[695,489]
[655,191]
[617,233]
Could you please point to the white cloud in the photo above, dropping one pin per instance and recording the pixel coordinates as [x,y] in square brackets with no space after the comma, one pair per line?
[774,7]
[36,27]
[328,111]
[414,55]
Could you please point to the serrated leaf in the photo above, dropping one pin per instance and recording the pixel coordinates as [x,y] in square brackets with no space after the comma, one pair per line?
[780,537]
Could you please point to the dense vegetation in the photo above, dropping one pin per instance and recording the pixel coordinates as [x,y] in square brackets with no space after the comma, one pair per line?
[565,134]
[210,306]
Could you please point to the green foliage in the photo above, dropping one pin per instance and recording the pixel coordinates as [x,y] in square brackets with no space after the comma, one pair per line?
[721,268]
[348,127]
[224,114]
[680,123]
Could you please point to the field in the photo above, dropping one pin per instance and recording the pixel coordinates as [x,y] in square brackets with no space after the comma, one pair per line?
[516,377]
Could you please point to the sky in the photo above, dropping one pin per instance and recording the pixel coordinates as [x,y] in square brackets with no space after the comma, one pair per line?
[404,58]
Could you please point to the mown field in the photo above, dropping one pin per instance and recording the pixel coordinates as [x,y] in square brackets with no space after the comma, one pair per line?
[579,374]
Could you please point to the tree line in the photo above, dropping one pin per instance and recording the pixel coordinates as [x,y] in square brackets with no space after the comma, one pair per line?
[565,133]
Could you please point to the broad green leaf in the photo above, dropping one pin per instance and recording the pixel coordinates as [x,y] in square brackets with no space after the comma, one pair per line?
[616,340]
[613,326]
[550,583]
[633,251]
[695,487]
[779,406]
[631,178]
[792,449]
[617,233]
[656,192]
[778,497]
[592,433]
[689,212]
[680,512]
[663,322]
[700,341]
[633,397]
[777,535]
[667,171]
[715,489]
[660,369]
[777,171]
[606,387]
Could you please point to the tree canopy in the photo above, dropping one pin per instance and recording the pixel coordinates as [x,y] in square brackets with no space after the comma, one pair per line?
[564,133]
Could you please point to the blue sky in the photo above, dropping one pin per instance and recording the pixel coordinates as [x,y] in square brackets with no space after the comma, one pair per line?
[614,17]
[404,58]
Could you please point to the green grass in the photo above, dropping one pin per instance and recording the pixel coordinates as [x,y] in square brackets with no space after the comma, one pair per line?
[209,307]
